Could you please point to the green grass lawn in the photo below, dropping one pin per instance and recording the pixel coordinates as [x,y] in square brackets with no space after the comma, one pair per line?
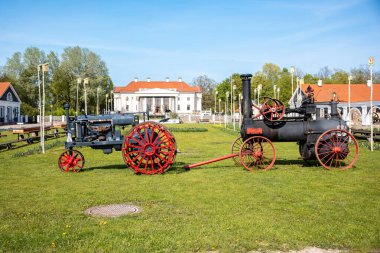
[218,207]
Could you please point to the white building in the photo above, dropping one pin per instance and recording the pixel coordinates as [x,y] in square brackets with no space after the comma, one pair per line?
[158,97]
[9,104]
[359,100]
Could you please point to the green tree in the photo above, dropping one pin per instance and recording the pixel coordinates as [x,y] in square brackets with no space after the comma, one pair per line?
[22,69]
[227,85]
[360,74]
[60,81]
[310,79]
[14,66]
[208,90]
[272,78]
[339,76]
[82,63]
[325,74]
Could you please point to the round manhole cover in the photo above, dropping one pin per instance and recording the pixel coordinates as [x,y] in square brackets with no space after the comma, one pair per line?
[114,210]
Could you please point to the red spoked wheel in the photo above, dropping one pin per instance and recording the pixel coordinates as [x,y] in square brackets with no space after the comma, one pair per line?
[71,160]
[337,149]
[235,149]
[273,109]
[257,152]
[149,148]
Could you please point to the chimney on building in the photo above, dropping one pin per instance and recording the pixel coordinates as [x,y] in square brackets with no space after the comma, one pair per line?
[148,79]
[136,79]
[167,79]
[179,79]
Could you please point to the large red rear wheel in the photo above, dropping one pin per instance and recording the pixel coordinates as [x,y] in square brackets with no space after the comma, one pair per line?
[71,160]
[235,149]
[257,152]
[149,148]
[337,149]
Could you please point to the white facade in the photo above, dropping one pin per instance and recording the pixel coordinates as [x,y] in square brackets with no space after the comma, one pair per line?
[9,104]
[158,100]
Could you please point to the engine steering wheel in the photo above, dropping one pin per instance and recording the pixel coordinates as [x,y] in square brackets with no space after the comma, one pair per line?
[272,109]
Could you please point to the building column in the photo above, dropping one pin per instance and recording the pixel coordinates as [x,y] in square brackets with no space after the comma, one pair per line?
[345,113]
[365,117]
[162,105]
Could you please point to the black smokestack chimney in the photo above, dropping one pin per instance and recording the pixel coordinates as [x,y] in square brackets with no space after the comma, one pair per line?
[247,103]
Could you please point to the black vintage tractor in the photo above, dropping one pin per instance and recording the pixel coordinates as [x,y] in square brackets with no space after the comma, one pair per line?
[148,148]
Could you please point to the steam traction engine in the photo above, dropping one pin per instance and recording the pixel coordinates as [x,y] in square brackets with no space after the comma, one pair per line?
[323,139]
[148,148]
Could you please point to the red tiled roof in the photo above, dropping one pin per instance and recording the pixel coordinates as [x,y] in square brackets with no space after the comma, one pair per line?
[179,86]
[359,92]
[4,87]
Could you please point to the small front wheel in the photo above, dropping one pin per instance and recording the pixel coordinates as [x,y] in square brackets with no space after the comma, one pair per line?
[235,149]
[257,152]
[71,160]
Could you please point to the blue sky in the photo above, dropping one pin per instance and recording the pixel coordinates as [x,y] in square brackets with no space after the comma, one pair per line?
[190,38]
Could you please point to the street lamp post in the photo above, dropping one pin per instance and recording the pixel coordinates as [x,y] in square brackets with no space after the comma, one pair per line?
[79,81]
[39,97]
[220,100]
[45,68]
[97,100]
[349,101]
[371,62]
[85,81]
[227,97]
[233,105]
[111,98]
[106,103]
[259,87]
[232,93]
[292,69]
[216,94]
[226,112]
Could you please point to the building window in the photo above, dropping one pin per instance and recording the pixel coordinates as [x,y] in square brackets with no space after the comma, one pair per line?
[1,111]
[188,107]
[178,98]
[178,107]
[9,97]
[127,108]
[15,113]
[188,98]
[325,112]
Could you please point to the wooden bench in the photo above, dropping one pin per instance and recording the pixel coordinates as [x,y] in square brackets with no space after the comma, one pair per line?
[2,135]
[29,130]
[203,120]
[32,134]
